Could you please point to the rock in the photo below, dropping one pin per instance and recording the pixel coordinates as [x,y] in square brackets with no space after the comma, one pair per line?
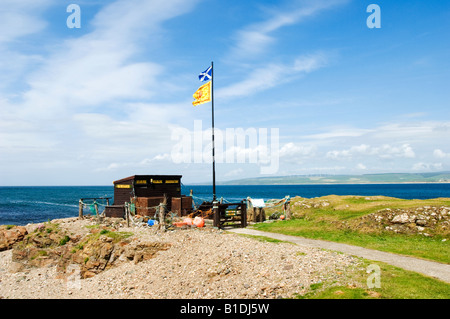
[10,235]
[288,267]
[87,274]
[401,219]
[421,222]
[16,267]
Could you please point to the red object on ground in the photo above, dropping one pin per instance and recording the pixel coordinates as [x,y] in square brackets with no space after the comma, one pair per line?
[199,222]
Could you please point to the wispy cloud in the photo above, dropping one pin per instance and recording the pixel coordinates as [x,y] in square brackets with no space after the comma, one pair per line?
[274,74]
[391,147]
[256,38]
[438,153]
[384,151]
[86,89]
[21,18]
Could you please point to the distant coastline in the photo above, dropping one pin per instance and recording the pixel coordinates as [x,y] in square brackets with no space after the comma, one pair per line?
[387,178]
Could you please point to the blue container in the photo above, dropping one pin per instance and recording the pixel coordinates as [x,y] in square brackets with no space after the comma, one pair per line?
[151,222]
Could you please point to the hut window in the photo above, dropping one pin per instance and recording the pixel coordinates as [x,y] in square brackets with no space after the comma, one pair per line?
[123,186]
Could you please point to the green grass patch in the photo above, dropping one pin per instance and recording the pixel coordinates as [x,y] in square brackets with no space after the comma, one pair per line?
[338,219]
[395,283]
[115,235]
[265,239]
[433,248]
[64,240]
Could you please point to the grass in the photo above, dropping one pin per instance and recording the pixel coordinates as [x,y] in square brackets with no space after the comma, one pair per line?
[395,283]
[337,218]
[265,239]
[432,248]
[92,238]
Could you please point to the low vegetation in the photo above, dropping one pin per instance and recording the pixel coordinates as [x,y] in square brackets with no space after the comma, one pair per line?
[363,221]
[352,220]
[395,283]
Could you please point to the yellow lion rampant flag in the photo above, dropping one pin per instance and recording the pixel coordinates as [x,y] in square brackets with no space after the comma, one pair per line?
[203,94]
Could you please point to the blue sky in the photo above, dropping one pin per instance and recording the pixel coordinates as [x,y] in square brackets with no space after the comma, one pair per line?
[90,105]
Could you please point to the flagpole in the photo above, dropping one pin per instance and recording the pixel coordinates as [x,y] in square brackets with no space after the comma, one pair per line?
[213,151]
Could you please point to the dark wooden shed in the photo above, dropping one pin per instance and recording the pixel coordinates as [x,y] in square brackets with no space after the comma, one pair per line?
[149,188]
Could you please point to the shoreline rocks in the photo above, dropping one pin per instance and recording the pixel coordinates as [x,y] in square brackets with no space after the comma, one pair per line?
[9,235]
[426,220]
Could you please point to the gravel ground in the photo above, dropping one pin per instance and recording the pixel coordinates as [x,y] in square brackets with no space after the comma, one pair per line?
[201,263]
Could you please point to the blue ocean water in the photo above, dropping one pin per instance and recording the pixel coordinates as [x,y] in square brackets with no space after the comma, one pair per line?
[34,204]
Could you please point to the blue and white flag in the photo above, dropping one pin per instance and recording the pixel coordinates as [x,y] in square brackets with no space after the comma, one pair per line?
[206,75]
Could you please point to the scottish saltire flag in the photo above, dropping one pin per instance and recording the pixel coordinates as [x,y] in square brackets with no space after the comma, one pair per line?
[206,75]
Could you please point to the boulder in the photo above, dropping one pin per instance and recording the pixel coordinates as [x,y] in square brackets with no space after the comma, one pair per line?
[10,235]
[401,219]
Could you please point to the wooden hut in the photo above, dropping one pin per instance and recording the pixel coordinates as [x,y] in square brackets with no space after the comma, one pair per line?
[147,192]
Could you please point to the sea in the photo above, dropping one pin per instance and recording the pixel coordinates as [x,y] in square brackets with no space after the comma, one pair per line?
[20,205]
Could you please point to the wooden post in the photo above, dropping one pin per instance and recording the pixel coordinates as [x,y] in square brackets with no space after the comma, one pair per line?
[216,214]
[244,215]
[127,214]
[162,208]
[287,206]
[80,209]
[96,211]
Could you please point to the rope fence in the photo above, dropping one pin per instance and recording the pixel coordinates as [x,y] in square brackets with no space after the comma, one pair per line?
[161,211]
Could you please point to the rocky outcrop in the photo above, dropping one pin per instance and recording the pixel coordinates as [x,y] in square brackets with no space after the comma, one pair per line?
[104,253]
[101,249]
[9,235]
[426,220]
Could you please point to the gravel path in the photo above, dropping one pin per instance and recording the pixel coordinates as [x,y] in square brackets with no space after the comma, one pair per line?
[201,263]
[433,269]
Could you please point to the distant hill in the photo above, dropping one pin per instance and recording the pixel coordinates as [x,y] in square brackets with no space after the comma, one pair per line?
[436,177]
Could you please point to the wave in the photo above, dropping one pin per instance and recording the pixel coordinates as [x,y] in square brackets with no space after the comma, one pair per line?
[35,202]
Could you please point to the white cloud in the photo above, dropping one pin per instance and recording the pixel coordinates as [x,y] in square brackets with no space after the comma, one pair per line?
[272,75]
[100,67]
[361,166]
[339,133]
[21,18]
[88,100]
[440,154]
[255,39]
[309,63]
[234,172]
[427,166]
[383,151]
[295,153]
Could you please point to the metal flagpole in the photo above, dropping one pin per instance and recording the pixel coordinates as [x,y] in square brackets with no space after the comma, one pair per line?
[213,152]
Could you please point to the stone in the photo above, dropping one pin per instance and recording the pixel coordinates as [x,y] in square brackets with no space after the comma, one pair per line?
[10,236]
[400,219]
[421,222]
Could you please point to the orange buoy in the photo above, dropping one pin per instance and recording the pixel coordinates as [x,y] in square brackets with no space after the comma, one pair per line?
[282,217]
[179,224]
[198,221]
